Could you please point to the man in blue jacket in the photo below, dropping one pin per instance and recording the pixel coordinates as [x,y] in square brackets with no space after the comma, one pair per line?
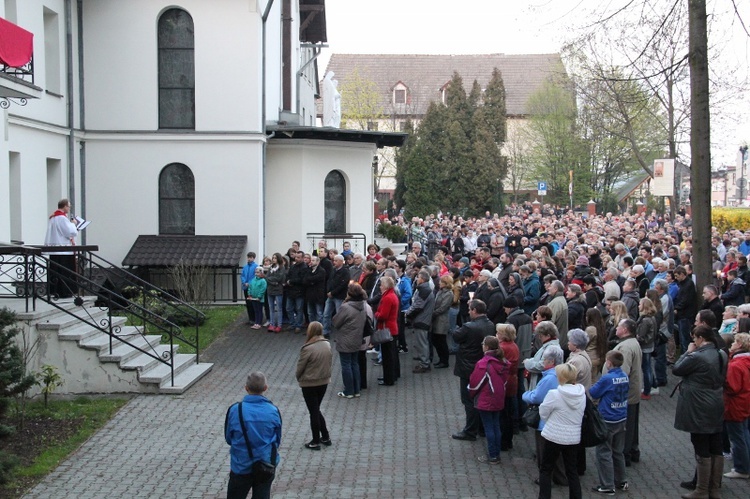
[263,426]
[612,392]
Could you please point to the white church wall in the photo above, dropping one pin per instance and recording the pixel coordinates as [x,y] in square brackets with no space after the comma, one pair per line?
[125,203]
[122,37]
[295,189]
[39,179]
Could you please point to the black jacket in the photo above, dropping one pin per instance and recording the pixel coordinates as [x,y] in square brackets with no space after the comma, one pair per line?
[495,300]
[684,303]
[717,307]
[469,338]
[338,282]
[294,279]
[315,285]
[576,310]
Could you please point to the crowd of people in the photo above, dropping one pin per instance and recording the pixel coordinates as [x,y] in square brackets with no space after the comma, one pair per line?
[542,310]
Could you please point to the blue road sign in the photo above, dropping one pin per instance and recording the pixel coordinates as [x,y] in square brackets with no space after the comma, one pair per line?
[542,186]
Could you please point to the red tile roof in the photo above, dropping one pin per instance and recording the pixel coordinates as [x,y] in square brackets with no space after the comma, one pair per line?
[425,75]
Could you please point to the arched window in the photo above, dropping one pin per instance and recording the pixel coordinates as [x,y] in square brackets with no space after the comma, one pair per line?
[335,203]
[176,70]
[176,200]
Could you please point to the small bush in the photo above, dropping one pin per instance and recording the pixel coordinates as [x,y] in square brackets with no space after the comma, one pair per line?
[394,233]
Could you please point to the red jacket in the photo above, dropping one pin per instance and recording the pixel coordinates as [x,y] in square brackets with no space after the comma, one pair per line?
[487,383]
[737,388]
[387,314]
[510,349]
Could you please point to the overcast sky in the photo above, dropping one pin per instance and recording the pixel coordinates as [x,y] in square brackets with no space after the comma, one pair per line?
[514,27]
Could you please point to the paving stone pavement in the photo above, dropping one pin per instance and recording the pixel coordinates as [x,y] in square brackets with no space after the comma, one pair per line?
[391,442]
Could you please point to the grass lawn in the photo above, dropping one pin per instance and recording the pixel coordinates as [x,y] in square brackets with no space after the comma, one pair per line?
[218,319]
[50,435]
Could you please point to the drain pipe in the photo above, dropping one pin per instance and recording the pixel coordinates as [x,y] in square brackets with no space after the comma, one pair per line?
[81,114]
[262,231]
[69,99]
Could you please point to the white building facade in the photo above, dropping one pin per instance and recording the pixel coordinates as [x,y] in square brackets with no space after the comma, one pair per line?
[175,118]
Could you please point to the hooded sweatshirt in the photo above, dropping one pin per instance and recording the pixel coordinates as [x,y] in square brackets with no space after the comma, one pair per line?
[562,411]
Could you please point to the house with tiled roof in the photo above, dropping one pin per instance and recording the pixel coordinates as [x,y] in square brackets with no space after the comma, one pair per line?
[407,83]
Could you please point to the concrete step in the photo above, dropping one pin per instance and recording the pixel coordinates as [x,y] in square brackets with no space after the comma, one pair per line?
[62,321]
[83,331]
[100,341]
[161,372]
[186,379]
[125,351]
[143,362]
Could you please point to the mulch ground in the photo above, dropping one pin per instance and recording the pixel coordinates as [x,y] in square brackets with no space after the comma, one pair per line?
[26,444]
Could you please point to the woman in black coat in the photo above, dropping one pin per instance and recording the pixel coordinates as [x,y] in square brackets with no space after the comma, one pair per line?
[700,408]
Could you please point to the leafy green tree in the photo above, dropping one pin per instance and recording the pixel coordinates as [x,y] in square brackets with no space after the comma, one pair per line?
[360,100]
[557,148]
[618,127]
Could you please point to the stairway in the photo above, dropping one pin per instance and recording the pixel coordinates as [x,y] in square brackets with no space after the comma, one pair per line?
[82,353]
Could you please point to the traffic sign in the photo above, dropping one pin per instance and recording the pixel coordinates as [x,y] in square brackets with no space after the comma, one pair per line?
[541,186]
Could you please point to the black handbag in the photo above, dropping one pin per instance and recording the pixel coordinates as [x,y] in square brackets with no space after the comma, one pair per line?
[381,336]
[594,430]
[262,471]
[531,416]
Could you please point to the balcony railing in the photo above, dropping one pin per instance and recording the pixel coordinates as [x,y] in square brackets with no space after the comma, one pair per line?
[24,73]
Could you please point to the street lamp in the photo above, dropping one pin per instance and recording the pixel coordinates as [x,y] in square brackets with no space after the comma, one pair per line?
[742,182]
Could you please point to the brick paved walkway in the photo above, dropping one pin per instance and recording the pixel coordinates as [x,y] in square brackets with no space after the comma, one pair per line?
[392,442]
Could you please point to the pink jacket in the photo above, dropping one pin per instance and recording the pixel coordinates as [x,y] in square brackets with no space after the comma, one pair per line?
[487,383]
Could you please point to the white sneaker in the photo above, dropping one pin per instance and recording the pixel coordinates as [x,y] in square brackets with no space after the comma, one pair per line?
[734,474]
[655,391]
[372,350]
[265,324]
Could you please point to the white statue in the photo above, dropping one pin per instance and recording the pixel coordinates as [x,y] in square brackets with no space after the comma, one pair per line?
[331,101]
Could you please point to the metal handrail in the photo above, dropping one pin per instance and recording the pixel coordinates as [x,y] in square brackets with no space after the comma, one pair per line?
[164,299]
[34,265]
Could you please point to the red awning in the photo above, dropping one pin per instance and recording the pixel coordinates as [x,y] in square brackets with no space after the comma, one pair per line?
[16,44]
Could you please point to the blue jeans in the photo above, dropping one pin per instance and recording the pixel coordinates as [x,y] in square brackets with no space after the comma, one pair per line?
[294,311]
[350,372]
[274,304]
[660,364]
[491,423]
[315,312]
[739,436]
[684,326]
[610,462]
[648,374]
[332,306]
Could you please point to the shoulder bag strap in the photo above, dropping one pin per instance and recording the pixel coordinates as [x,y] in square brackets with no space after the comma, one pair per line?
[247,440]
[244,430]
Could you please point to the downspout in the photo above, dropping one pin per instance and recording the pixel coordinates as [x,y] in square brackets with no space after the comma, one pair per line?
[69,99]
[261,244]
[81,115]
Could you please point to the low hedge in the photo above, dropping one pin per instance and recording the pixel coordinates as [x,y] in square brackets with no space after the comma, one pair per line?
[730,218]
